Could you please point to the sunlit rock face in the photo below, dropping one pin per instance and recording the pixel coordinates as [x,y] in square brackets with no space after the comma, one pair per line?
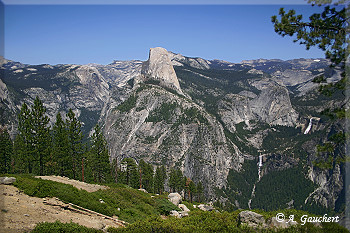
[159,67]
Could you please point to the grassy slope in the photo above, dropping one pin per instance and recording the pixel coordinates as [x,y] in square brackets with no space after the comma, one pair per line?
[134,205]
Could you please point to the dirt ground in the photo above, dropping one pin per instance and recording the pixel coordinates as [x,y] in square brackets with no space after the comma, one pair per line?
[78,184]
[20,212]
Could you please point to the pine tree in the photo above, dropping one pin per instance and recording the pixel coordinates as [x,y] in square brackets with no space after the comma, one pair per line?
[328,31]
[6,151]
[159,179]
[176,180]
[129,174]
[75,143]
[114,169]
[20,158]
[40,134]
[199,191]
[23,142]
[146,175]
[99,157]
[192,189]
[60,147]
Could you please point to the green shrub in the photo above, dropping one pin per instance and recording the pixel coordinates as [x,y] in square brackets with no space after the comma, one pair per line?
[200,221]
[134,205]
[57,226]
[165,206]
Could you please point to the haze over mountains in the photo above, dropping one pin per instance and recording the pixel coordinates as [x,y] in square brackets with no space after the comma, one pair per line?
[212,119]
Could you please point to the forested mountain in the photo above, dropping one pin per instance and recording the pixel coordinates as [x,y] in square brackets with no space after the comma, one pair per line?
[248,131]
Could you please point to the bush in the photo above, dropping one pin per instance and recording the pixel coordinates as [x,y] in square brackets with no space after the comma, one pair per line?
[164,206]
[57,226]
[134,205]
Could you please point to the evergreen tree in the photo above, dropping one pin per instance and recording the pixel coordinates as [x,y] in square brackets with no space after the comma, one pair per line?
[40,134]
[20,158]
[6,151]
[199,191]
[75,143]
[61,147]
[99,157]
[114,170]
[146,175]
[176,180]
[192,189]
[159,179]
[23,142]
[328,31]
[129,174]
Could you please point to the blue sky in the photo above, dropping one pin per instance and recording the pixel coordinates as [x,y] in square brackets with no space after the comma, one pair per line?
[81,34]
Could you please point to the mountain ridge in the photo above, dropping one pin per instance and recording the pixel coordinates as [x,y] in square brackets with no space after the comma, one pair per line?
[228,115]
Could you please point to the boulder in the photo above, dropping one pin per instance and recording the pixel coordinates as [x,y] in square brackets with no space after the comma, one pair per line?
[7,180]
[281,224]
[251,219]
[183,214]
[143,190]
[175,198]
[175,214]
[178,214]
[184,208]
[205,207]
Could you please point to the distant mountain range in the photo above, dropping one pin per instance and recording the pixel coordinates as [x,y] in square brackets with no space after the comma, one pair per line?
[210,118]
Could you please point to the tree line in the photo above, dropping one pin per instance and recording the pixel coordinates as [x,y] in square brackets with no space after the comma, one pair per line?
[41,149]
[144,176]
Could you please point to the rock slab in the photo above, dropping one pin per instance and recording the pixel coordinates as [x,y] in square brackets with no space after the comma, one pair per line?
[7,180]
[175,198]
[251,219]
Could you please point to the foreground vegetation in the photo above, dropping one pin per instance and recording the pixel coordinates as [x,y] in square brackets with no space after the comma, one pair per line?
[198,221]
[128,204]
[143,211]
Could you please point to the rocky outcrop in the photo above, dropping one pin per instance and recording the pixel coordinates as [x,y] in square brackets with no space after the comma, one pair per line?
[285,223]
[251,219]
[272,106]
[180,60]
[158,67]
[184,208]
[175,198]
[205,207]
[165,128]
[330,184]
[7,180]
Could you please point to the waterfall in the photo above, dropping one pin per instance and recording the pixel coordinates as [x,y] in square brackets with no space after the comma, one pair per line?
[260,165]
[259,174]
[308,127]
[251,197]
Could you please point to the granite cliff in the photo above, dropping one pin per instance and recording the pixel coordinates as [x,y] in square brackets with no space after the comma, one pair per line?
[212,119]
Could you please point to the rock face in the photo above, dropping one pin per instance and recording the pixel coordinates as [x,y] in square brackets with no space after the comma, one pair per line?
[165,128]
[272,106]
[251,219]
[158,67]
[330,184]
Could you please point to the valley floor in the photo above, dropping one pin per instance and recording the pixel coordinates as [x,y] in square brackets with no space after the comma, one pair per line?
[20,213]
